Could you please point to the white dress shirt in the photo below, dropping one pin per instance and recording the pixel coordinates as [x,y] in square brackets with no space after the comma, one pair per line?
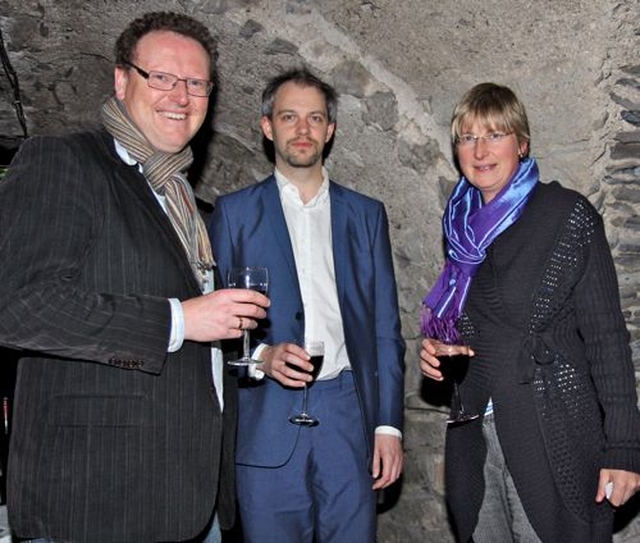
[309,226]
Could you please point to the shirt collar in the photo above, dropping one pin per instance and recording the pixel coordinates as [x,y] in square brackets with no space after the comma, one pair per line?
[285,187]
[130,161]
[124,154]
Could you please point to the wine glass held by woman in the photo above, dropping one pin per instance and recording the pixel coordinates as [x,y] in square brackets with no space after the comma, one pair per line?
[453,366]
[530,283]
[431,350]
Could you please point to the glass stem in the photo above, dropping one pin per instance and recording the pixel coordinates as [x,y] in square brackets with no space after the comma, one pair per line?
[304,400]
[457,399]
[245,344]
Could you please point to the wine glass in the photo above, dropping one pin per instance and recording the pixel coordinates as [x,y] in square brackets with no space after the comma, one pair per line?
[315,349]
[254,278]
[453,366]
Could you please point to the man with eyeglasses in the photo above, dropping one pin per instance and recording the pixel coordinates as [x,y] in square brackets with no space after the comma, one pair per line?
[124,422]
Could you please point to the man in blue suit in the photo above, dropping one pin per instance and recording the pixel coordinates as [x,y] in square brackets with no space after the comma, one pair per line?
[331,278]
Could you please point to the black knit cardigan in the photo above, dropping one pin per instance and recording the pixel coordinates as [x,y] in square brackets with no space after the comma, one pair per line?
[552,352]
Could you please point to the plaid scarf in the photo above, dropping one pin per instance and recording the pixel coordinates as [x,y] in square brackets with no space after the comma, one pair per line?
[164,173]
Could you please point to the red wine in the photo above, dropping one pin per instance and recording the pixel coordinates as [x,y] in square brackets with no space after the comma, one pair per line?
[454,367]
[260,288]
[317,364]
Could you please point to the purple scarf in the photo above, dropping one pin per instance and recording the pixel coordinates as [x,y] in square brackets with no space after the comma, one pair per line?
[469,228]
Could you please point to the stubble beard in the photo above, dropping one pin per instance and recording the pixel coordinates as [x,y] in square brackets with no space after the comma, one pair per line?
[296,160]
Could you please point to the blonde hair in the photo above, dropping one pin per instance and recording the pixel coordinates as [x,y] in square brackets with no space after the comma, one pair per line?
[494,106]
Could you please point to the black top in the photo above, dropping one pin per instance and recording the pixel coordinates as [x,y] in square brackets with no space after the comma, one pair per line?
[552,352]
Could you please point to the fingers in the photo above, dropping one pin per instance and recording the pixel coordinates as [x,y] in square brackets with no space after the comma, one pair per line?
[248,307]
[223,314]
[246,296]
[238,322]
[429,364]
[428,345]
[242,316]
[388,461]
[604,488]
[288,364]
[617,486]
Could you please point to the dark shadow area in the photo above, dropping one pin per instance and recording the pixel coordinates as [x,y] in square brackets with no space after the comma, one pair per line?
[205,209]
[200,144]
[8,358]
[626,514]
[269,150]
[234,535]
[8,370]
[8,148]
[388,498]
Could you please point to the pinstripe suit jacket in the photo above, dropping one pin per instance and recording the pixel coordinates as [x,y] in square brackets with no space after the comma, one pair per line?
[114,439]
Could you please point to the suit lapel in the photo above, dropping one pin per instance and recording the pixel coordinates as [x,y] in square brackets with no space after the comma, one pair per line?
[339,235]
[272,208]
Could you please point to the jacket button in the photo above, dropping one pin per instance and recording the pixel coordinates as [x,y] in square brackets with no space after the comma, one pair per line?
[299,315]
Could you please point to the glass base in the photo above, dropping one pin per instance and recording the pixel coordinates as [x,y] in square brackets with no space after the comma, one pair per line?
[244,361]
[303,420]
[462,417]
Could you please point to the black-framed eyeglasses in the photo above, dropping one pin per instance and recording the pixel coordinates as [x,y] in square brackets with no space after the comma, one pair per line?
[166,82]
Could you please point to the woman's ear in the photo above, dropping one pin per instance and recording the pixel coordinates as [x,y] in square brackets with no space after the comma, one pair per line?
[523,149]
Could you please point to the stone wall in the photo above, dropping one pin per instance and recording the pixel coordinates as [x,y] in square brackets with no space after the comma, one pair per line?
[400,66]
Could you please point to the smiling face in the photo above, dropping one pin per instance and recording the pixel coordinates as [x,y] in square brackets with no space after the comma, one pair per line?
[168,119]
[299,127]
[489,166]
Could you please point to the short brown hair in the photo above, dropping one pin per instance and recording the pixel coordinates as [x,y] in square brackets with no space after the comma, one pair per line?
[304,78]
[163,21]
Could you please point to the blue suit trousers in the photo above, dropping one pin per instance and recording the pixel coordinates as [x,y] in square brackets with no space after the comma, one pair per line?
[323,492]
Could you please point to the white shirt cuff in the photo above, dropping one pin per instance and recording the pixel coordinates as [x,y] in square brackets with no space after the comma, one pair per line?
[389,431]
[252,369]
[177,326]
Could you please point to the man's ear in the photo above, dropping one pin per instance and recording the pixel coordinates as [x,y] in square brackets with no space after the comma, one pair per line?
[121,79]
[265,124]
[330,131]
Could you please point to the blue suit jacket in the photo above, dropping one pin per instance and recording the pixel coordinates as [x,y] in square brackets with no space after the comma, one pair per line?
[248,228]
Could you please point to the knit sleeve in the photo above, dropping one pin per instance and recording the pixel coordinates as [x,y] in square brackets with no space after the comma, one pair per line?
[606,340]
